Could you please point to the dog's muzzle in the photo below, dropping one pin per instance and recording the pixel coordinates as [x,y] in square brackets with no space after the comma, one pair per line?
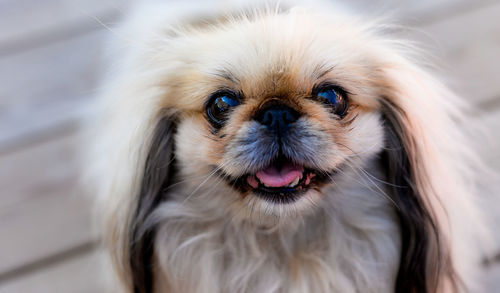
[279,154]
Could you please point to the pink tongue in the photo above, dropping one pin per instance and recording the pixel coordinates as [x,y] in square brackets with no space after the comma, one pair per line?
[273,177]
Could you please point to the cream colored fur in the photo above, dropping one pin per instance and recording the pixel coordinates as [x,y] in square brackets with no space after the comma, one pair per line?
[345,240]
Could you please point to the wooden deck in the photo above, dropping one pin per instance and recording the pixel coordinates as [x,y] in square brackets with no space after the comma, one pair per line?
[50,56]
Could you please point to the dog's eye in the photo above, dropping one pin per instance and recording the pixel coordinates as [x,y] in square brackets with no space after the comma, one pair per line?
[219,106]
[334,99]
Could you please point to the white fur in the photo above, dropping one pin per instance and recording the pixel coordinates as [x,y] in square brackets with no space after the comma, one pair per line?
[346,239]
[349,244]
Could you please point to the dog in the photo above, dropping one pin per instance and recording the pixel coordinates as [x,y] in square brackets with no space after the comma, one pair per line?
[287,149]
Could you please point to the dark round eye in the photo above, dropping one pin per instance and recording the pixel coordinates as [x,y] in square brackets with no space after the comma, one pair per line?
[219,106]
[333,98]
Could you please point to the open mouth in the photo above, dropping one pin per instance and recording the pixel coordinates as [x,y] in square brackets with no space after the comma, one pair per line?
[281,181]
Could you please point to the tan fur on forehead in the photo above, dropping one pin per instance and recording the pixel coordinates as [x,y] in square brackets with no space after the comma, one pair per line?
[249,56]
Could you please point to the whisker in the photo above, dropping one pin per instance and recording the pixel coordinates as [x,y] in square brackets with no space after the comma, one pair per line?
[378,179]
[203,182]
[373,184]
[364,173]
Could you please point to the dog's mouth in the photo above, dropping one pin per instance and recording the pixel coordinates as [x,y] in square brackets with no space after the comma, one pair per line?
[282,181]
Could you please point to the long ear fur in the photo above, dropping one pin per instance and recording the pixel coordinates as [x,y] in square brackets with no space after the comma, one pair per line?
[422,258]
[428,164]
[134,172]
[157,176]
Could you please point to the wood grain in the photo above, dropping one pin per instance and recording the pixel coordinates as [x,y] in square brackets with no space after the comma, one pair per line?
[42,211]
[25,24]
[39,169]
[48,87]
[467,49]
[81,274]
[491,279]
[415,12]
[489,148]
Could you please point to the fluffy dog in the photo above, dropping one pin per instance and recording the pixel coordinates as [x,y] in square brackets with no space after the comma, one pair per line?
[282,150]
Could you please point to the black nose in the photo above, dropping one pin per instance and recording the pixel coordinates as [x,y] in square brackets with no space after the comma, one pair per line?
[277,117]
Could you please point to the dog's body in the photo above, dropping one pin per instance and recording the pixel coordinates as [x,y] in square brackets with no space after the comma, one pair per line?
[340,248]
[290,151]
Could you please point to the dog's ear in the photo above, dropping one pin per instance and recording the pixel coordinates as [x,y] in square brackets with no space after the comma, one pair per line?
[157,175]
[424,181]
[422,249]
[139,168]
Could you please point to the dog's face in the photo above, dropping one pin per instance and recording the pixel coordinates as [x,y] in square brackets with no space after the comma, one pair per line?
[261,118]
[272,111]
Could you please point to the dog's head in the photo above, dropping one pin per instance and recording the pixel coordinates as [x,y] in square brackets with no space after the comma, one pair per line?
[255,118]
[269,111]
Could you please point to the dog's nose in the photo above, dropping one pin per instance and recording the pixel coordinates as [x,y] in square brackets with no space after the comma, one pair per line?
[277,117]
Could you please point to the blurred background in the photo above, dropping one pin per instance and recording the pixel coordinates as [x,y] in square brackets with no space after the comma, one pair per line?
[51,62]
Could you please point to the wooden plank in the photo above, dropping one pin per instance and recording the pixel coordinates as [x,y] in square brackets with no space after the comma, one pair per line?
[467,48]
[27,23]
[43,226]
[82,274]
[23,23]
[492,278]
[489,148]
[31,172]
[414,12]
[42,211]
[48,87]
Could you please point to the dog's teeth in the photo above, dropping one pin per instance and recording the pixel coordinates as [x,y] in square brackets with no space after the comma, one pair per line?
[294,183]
